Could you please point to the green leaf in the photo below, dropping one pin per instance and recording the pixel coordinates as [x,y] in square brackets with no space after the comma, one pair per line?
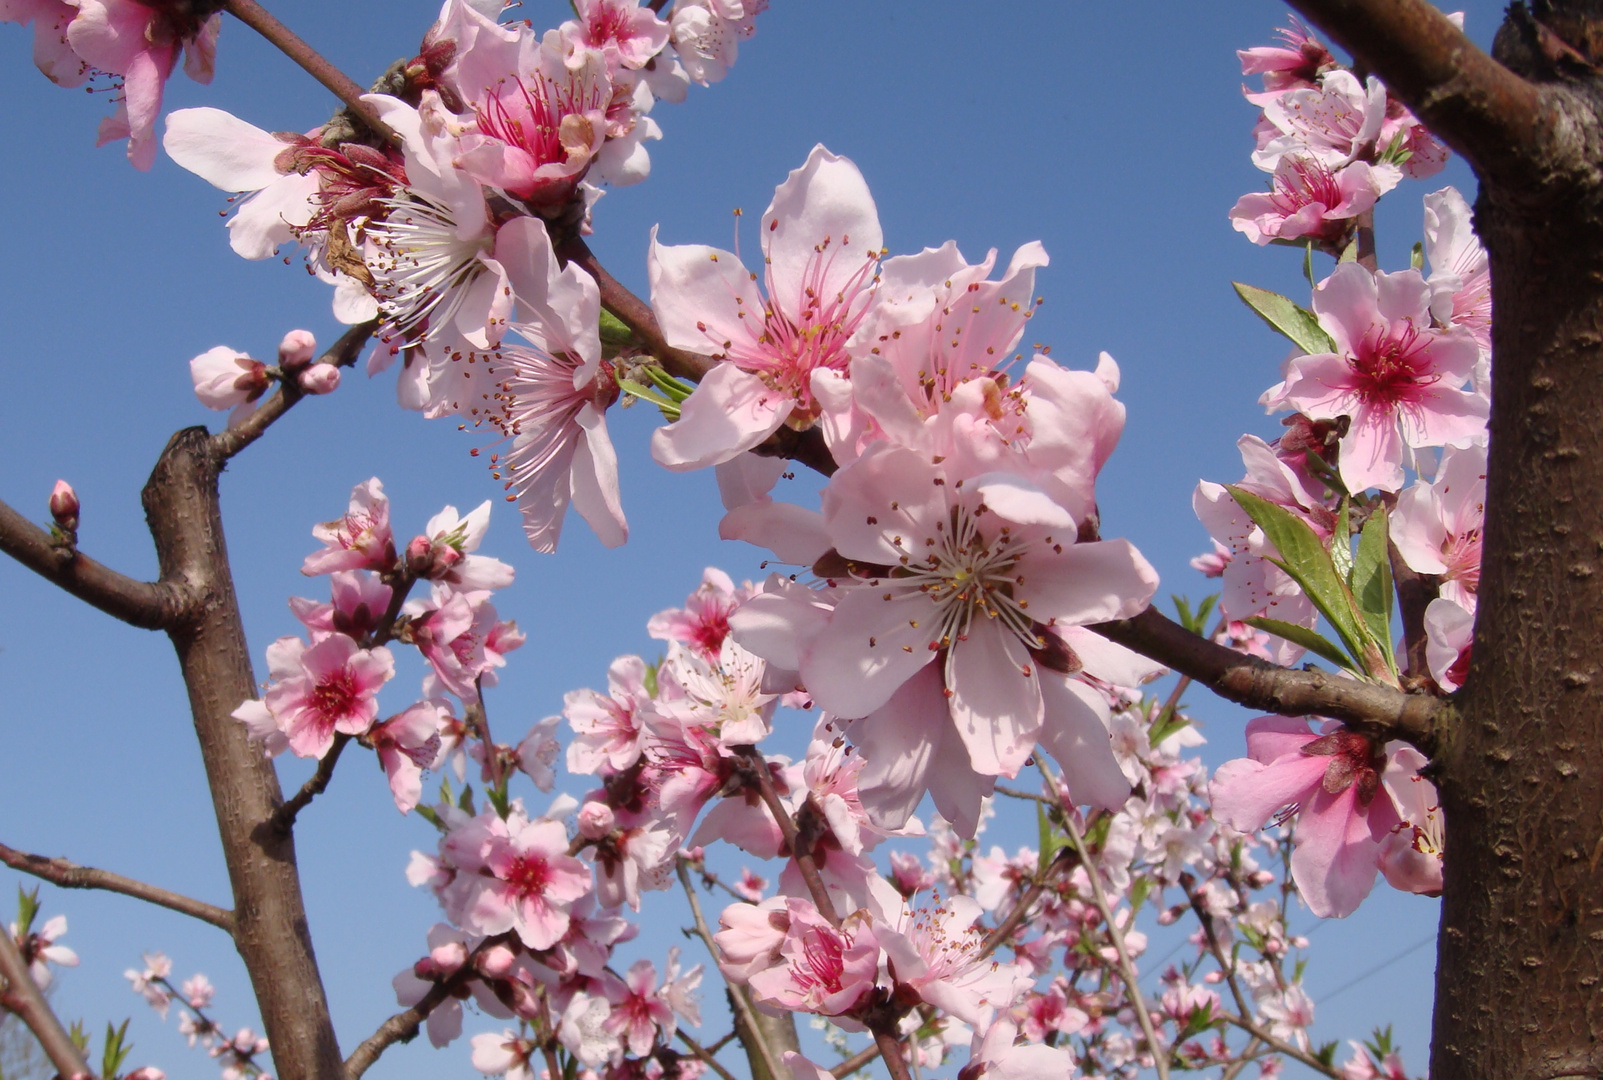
[669,408]
[1138,892]
[1303,556]
[1327,1054]
[616,337]
[1341,543]
[1308,263]
[498,799]
[465,803]
[650,679]
[1417,258]
[1351,253]
[1285,316]
[115,1051]
[79,1036]
[1182,610]
[674,388]
[1047,837]
[1312,640]
[1327,475]
[1372,585]
[27,908]
[1168,722]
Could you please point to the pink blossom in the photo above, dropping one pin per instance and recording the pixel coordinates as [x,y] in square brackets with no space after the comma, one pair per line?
[52,52]
[1295,64]
[539,120]
[329,687]
[1437,526]
[232,155]
[64,505]
[451,541]
[451,629]
[630,860]
[1449,635]
[319,379]
[638,1010]
[198,992]
[1392,373]
[1332,779]
[359,600]
[751,936]
[936,954]
[515,874]
[820,242]
[1412,858]
[149,982]
[703,623]
[361,540]
[608,730]
[1460,272]
[994,1054]
[227,379]
[141,43]
[820,968]
[707,35]
[39,949]
[505,1055]
[624,32]
[1335,123]
[407,743]
[724,696]
[1306,199]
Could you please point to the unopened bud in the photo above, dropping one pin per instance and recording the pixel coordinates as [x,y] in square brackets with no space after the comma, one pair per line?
[495,962]
[450,956]
[320,379]
[595,820]
[64,505]
[296,350]
[419,556]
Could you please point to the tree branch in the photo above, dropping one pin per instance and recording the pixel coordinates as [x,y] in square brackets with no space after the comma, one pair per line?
[1493,117]
[289,43]
[1378,711]
[70,875]
[147,605]
[1004,929]
[404,1025]
[21,995]
[283,819]
[806,447]
[343,353]
[704,1054]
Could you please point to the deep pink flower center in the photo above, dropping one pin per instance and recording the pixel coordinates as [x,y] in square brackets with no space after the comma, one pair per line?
[528,875]
[821,962]
[336,695]
[1462,554]
[1392,367]
[1308,182]
[609,23]
[1355,761]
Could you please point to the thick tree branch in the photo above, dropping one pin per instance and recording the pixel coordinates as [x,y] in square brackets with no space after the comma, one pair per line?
[1375,710]
[806,447]
[147,605]
[70,875]
[1477,106]
[19,994]
[343,353]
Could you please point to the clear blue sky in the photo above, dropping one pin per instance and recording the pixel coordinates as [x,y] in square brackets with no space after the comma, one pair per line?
[1115,134]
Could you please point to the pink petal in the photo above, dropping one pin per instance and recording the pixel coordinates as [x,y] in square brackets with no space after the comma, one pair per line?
[1075,732]
[996,698]
[1087,583]
[826,200]
[872,646]
[1335,858]
[729,412]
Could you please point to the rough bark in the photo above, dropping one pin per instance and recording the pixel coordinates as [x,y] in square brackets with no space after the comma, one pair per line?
[1521,772]
[270,930]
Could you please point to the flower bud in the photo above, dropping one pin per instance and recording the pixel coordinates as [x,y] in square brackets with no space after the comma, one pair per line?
[320,379]
[226,379]
[495,962]
[595,820]
[296,350]
[64,505]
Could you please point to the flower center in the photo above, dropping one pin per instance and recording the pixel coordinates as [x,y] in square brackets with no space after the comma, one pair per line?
[528,876]
[335,696]
[966,574]
[1391,368]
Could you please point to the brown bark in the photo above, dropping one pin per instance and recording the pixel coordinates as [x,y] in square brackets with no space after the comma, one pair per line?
[1521,771]
[270,930]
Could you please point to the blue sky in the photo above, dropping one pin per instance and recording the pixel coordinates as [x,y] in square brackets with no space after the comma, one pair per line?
[1115,134]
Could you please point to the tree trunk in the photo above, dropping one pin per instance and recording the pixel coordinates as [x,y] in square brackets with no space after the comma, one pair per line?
[270,932]
[1521,776]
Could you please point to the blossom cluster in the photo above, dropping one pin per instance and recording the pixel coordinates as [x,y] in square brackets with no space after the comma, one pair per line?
[1392,377]
[236,1055]
[323,688]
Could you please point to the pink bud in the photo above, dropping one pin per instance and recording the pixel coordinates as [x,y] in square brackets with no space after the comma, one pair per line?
[64,505]
[320,379]
[417,556]
[595,820]
[296,350]
[225,379]
[495,961]
[450,956]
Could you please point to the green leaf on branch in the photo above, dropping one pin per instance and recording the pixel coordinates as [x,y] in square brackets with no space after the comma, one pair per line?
[27,909]
[670,409]
[1372,586]
[1287,317]
[116,1051]
[1194,621]
[677,389]
[1167,723]
[616,337]
[1328,476]
[1350,254]
[1047,838]
[1312,640]
[1341,542]
[1417,258]
[1303,556]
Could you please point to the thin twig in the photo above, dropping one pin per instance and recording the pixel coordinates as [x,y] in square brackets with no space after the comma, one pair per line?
[21,995]
[385,630]
[1160,1053]
[799,851]
[283,819]
[737,994]
[343,353]
[70,875]
[1004,929]
[145,604]
[703,1053]
[289,43]
[1245,1058]
[404,1025]
[855,1062]
[1015,793]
